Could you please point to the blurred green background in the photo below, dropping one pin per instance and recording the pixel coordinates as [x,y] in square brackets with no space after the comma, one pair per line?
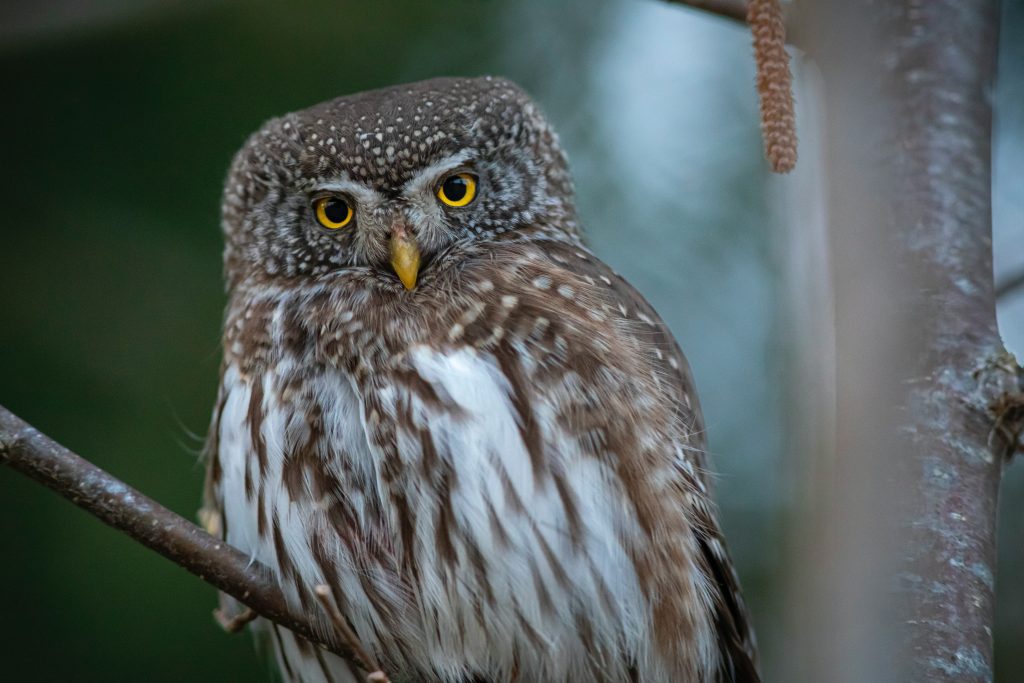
[119,120]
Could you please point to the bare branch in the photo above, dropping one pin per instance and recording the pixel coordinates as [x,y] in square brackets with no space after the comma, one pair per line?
[733,9]
[1010,284]
[325,594]
[118,505]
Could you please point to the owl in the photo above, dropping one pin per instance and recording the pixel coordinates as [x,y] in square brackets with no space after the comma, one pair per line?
[438,402]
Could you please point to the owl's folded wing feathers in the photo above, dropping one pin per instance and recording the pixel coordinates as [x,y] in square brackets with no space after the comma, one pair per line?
[732,620]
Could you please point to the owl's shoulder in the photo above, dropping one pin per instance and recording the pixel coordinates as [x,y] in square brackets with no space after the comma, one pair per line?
[556,298]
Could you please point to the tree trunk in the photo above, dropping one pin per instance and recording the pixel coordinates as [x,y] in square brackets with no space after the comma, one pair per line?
[898,560]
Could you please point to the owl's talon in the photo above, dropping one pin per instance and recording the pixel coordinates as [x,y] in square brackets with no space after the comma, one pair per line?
[236,623]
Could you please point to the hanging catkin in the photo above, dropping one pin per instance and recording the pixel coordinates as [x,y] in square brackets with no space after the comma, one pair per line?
[774,83]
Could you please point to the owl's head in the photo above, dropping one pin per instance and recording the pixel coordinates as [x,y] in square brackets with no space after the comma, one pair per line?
[388,180]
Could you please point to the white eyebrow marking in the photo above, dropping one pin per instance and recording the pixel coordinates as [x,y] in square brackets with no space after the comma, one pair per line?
[425,179]
[363,195]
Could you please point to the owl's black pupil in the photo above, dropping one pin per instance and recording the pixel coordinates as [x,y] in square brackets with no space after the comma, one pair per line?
[455,188]
[336,210]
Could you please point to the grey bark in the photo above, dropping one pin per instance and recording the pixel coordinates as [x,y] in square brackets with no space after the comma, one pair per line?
[901,546]
[964,402]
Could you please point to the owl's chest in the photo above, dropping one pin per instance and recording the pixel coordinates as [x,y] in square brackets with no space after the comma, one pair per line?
[293,456]
[394,473]
[440,518]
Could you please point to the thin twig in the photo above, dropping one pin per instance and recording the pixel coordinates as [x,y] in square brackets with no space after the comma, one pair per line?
[325,595]
[1010,284]
[733,9]
[118,505]
[774,81]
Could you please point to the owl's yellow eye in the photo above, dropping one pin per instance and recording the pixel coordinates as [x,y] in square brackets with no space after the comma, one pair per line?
[458,189]
[333,212]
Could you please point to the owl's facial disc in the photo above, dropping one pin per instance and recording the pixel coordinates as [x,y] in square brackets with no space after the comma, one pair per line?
[458,162]
[402,230]
[424,218]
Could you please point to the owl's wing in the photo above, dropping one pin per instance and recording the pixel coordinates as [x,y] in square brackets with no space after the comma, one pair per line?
[545,366]
[732,620]
[211,513]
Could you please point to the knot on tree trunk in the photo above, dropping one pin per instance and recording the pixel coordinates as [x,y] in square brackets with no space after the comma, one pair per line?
[1001,380]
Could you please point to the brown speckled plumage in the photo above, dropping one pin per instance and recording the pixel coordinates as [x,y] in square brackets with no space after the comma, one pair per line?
[501,471]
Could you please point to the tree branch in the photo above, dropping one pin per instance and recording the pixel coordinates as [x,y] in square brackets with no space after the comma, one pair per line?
[733,9]
[325,595]
[1010,284]
[118,505]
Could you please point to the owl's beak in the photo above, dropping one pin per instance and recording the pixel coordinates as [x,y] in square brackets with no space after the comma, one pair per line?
[405,258]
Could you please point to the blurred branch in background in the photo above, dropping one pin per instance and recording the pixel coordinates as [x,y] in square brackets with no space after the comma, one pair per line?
[1010,285]
[118,505]
[733,9]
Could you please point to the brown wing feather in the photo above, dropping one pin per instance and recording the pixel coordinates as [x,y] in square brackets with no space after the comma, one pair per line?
[732,620]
